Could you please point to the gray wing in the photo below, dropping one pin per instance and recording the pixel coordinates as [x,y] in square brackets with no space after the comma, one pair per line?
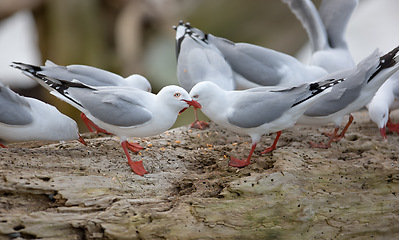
[334,101]
[256,110]
[310,19]
[14,108]
[197,63]
[86,74]
[261,64]
[335,15]
[258,106]
[342,94]
[346,92]
[125,108]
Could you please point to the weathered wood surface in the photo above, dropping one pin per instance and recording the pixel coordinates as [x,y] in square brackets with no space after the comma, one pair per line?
[68,191]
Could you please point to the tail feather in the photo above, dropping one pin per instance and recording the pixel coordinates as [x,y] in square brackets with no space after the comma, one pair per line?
[52,84]
[61,87]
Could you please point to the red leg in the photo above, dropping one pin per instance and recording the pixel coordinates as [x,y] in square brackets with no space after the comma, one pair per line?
[342,134]
[81,140]
[90,124]
[86,121]
[273,147]
[393,127]
[322,145]
[137,166]
[234,162]
[198,124]
[2,145]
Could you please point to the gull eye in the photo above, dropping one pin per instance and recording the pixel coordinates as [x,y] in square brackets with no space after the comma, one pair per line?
[177,94]
[195,96]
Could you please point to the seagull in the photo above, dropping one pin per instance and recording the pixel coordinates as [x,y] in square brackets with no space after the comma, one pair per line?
[335,15]
[385,100]
[88,75]
[91,76]
[204,57]
[124,111]
[28,119]
[257,111]
[196,61]
[252,65]
[326,31]
[352,94]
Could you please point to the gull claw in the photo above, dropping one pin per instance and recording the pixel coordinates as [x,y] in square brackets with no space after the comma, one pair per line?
[318,145]
[267,150]
[200,125]
[235,162]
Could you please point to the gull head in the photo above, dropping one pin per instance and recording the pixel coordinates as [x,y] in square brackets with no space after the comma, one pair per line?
[379,115]
[205,92]
[138,81]
[177,97]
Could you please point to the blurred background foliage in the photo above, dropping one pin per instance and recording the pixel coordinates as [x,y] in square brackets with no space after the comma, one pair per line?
[136,36]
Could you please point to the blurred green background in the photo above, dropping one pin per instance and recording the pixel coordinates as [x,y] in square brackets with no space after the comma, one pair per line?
[136,36]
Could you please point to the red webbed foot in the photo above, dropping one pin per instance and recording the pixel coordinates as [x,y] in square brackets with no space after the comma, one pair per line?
[336,138]
[273,146]
[135,147]
[318,145]
[332,137]
[393,127]
[200,125]
[138,167]
[267,150]
[235,162]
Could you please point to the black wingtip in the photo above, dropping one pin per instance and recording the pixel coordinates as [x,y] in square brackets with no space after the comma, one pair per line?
[26,67]
[319,87]
[386,61]
[389,59]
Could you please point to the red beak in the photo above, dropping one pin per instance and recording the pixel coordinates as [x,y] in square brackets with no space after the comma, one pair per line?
[184,109]
[193,103]
[383,133]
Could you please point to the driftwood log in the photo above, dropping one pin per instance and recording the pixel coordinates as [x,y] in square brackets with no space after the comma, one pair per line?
[69,191]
